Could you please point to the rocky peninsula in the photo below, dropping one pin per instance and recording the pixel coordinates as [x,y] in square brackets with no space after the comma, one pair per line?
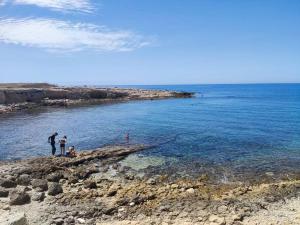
[18,97]
[94,188]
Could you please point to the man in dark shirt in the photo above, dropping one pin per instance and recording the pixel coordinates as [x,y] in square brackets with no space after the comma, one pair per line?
[51,140]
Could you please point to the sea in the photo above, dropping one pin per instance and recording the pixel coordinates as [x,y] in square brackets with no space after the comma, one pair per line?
[230,131]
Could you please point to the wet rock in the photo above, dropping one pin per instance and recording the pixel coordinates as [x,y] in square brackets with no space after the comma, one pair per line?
[54,189]
[6,183]
[24,180]
[40,185]
[90,184]
[3,193]
[39,196]
[18,219]
[18,197]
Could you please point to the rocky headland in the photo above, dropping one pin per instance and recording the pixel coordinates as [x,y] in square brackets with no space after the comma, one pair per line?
[95,188]
[17,97]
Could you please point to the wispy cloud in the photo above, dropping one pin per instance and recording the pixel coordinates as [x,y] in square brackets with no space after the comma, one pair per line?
[56,35]
[58,5]
[2,2]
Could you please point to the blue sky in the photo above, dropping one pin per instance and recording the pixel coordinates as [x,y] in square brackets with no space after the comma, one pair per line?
[149,42]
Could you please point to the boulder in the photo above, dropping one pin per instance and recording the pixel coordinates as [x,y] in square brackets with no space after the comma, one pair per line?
[40,185]
[54,189]
[6,183]
[18,197]
[3,193]
[24,180]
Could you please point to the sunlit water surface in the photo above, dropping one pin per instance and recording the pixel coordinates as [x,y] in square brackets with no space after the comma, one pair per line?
[227,130]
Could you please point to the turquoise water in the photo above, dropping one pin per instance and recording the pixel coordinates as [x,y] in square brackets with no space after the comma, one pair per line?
[229,130]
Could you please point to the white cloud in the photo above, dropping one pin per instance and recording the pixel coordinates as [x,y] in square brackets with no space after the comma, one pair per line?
[60,5]
[56,35]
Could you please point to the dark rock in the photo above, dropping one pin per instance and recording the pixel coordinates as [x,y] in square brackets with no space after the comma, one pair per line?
[40,185]
[24,180]
[7,183]
[54,189]
[3,193]
[18,197]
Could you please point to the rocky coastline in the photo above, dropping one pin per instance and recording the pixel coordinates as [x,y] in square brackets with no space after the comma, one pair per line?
[94,188]
[20,97]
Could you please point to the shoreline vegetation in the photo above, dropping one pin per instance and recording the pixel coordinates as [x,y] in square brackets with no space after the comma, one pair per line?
[20,97]
[94,188]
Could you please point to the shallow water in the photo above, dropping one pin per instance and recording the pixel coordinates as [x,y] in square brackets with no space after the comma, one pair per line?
[229,130]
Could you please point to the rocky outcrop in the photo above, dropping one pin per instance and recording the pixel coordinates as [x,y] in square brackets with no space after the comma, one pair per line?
[19,97]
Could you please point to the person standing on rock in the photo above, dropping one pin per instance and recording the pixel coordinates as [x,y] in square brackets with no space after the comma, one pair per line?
[62,143]
[51,140]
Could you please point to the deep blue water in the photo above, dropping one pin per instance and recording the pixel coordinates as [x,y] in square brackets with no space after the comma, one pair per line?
[227,129]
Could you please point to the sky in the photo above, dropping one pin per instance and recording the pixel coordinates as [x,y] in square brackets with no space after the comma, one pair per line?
[115,42]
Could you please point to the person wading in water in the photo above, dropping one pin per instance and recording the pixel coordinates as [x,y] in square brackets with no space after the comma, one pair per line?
[51,140]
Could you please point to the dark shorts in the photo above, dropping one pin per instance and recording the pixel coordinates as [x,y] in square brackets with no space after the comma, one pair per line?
[62,145]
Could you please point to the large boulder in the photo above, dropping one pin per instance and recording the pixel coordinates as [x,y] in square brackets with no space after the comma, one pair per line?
[40,185]
[54,189]
[6,183]
[18,197]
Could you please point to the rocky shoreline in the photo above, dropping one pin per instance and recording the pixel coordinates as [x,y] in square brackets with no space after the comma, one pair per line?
[94,188]
[14,97]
